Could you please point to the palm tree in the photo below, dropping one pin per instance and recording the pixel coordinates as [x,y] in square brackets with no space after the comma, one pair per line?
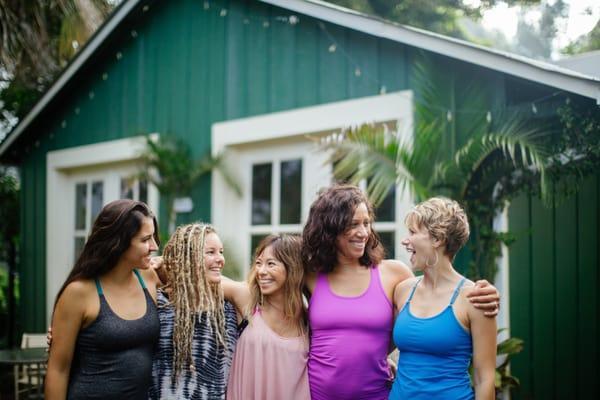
[169,165]
[481,173]
[37,39]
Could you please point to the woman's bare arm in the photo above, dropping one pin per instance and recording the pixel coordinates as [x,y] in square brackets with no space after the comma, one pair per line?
[483,334]
[69,317]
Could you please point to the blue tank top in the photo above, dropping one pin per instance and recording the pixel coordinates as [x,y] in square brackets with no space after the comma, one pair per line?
[435,353]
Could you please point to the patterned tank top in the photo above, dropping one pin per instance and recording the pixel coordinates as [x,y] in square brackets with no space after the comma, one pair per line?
[207,377]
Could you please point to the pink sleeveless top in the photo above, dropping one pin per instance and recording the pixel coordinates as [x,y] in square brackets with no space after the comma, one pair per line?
[349,342]
[268,366]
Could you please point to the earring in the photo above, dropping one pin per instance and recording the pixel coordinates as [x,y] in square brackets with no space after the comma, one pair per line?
[434,262]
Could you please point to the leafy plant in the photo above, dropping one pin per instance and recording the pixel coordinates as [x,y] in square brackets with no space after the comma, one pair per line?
[505,350]
[169,165]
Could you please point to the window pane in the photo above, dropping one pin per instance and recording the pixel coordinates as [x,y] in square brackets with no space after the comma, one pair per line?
[79,242]
[291,192]
[80,205]
[127,188]
[261,194]
[387,240]
[143,191]
[97,198]
[387,209]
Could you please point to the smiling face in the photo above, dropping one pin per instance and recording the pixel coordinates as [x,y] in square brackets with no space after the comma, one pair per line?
[142,246]
[420,245]
[270,273]
[214,261]
[351,243]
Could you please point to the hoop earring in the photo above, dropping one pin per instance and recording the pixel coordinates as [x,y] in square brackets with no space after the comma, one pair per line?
[437,258]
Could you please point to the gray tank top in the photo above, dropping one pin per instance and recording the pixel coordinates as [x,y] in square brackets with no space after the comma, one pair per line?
[113,356]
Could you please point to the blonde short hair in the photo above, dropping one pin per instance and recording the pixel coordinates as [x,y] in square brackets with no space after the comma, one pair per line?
[444,219]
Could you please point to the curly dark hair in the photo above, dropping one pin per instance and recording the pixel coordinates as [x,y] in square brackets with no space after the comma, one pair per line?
[331,215]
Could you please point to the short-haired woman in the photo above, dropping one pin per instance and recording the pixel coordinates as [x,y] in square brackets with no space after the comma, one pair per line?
[438,330]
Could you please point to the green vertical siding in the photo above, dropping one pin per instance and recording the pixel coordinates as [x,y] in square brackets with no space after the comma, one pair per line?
[554,303]
[182,68]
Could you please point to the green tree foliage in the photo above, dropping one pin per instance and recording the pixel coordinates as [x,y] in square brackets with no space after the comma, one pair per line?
[585,43]
[9,211]
[534,39]
[37,39]
[440,16]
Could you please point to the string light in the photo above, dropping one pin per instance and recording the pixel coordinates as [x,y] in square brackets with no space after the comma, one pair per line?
[533,108]
[488,117]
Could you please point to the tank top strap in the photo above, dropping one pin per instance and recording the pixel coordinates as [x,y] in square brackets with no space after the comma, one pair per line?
[455,294]
[412,291]
[98,287]
[139,276]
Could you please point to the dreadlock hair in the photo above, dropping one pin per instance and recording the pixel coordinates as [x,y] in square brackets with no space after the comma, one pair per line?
[192,295]
[286,249]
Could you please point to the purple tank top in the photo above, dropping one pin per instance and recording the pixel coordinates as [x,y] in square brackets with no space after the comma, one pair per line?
[350,337]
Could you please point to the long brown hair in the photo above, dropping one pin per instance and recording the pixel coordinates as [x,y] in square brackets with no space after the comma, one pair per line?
[330,215]
[191,295]
[286,249]
[117,223]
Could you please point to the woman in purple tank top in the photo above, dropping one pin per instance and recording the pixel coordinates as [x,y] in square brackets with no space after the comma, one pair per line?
[351,290]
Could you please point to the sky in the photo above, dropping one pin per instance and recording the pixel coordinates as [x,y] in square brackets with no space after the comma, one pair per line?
[578,23]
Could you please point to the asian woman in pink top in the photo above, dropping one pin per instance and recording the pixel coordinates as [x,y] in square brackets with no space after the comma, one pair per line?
[272,351]
[351,308]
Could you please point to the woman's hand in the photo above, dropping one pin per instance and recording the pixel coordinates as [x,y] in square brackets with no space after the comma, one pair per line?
[157,264]
[486,297]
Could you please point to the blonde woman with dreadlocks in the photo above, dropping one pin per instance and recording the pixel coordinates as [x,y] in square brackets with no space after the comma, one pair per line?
[272,351]
[197,327]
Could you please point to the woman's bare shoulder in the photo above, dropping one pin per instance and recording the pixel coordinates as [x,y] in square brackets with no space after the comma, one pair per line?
[396,270]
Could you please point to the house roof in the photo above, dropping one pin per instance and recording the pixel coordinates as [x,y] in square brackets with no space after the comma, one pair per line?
[512,64]
[585,63]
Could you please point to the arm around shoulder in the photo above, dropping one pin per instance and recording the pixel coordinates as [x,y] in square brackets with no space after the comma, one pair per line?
[236,292]
[69,316]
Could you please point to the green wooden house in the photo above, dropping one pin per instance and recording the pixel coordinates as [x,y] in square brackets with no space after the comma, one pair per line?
[256,78]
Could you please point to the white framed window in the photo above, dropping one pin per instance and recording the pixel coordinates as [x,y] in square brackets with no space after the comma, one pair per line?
[80,181]
[280,170]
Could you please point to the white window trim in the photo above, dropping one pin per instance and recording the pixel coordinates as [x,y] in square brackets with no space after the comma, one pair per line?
[60,219]
[294,125]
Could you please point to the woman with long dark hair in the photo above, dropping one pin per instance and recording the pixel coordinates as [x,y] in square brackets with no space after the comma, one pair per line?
[105,324]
